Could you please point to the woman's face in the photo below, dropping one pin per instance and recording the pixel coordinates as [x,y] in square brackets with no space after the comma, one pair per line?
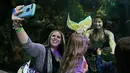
[55,39]
[98,23]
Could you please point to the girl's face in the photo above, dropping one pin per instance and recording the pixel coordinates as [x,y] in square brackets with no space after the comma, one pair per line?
[55,39]
[98,23]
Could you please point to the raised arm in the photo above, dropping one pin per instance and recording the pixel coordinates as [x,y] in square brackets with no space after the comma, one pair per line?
[111,40]
[106,66]
[34,49]
[21,34]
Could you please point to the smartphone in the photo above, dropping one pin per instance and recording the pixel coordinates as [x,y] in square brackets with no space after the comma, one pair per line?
[28,11]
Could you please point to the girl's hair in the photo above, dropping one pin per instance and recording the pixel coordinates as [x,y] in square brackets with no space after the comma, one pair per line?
[74,52]
[62,44]
[122,55]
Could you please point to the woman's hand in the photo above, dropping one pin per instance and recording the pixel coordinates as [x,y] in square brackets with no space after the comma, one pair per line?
[16,20]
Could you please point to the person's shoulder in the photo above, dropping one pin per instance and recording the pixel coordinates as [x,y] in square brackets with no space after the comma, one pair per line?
[89,31]
[41,46]
[108,32]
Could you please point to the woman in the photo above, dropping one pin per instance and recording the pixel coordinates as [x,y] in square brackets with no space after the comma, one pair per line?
[73,59]
[104,67]
[99,38]
[46,57]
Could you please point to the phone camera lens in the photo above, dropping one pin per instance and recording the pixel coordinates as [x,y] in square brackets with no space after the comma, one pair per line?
[31,6]
[27,9]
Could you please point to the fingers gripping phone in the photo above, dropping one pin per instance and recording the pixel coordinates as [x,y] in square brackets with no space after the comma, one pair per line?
[28,11]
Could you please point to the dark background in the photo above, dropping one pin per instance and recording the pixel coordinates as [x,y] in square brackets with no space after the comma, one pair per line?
[50,15]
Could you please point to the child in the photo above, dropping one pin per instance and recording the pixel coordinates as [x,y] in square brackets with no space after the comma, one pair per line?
[106,67]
